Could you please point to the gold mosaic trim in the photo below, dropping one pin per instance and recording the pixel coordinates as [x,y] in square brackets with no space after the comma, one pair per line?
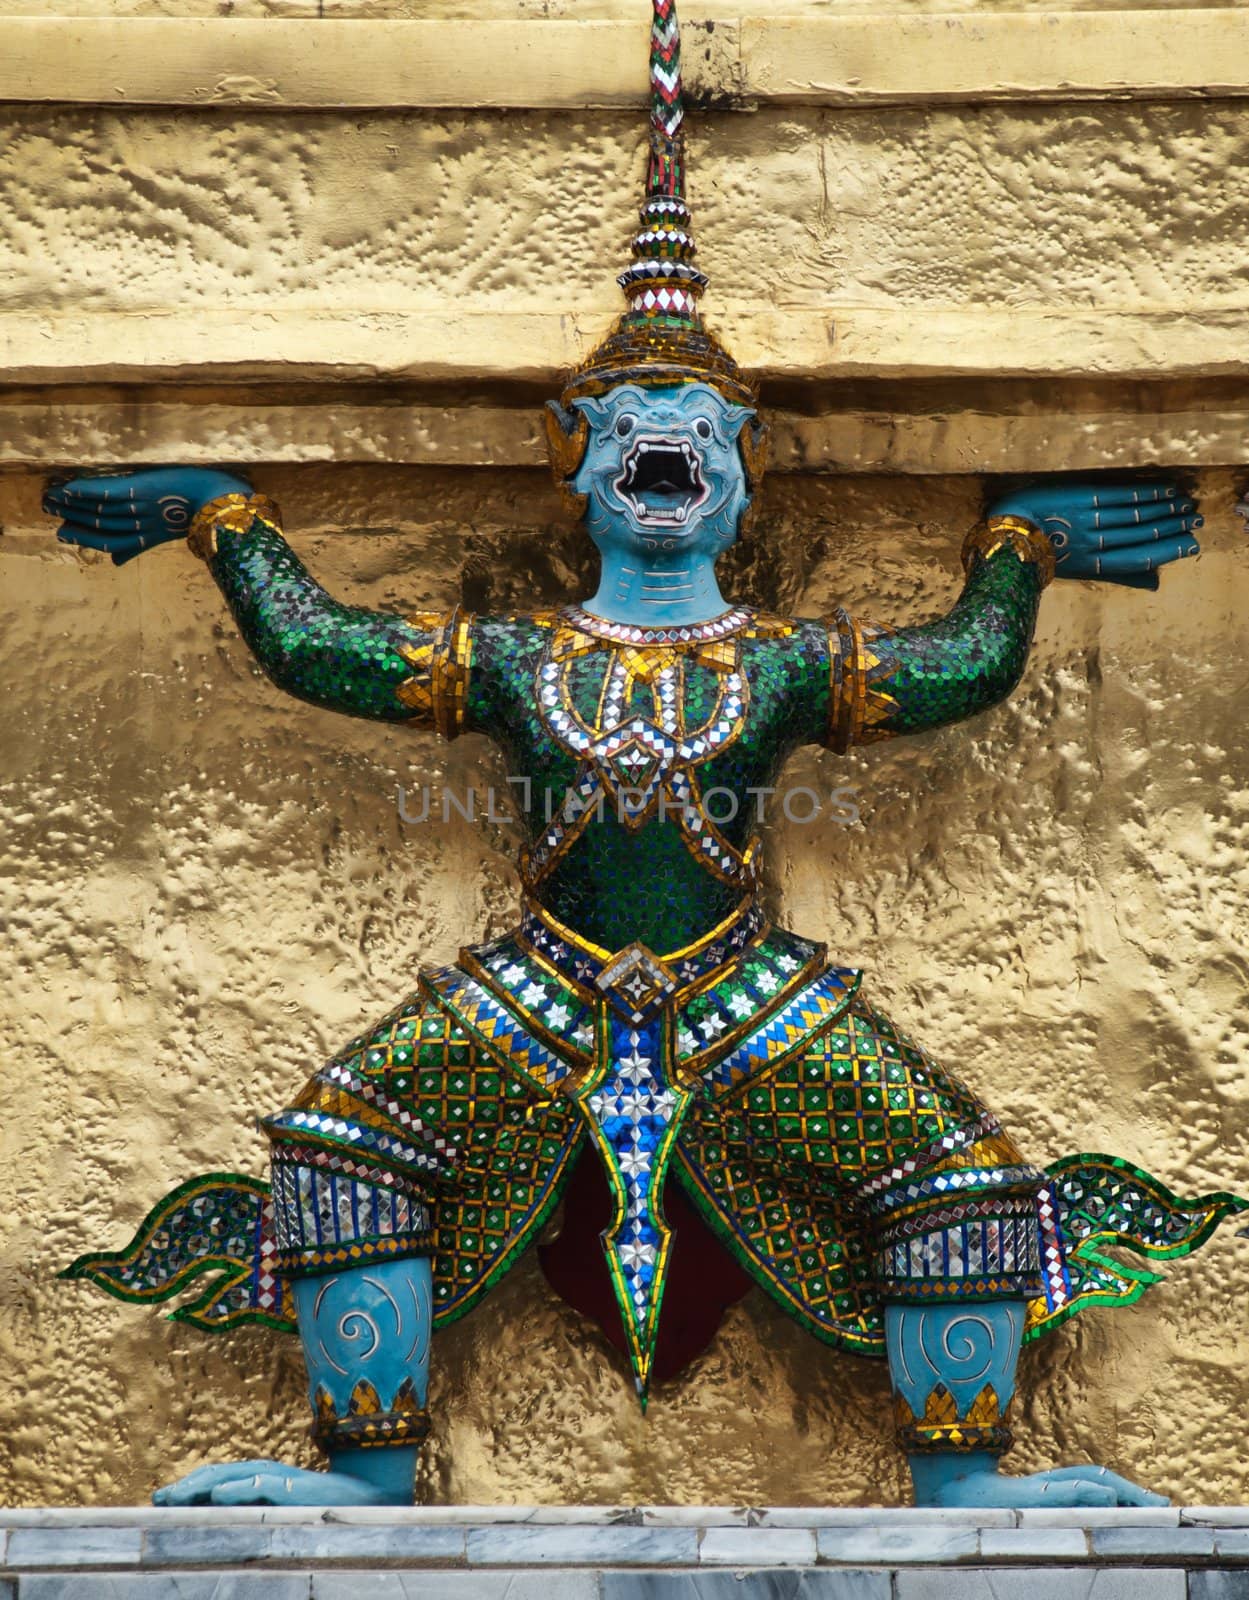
[798,1033]
[567,436]
[234,512]
[437,691]
[366,1423]
[941,1428]
[693,951]
[858,700]
[1027,541]
[563,1048]
[654,356]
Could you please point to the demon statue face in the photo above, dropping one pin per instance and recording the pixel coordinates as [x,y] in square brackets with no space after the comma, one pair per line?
[662,469]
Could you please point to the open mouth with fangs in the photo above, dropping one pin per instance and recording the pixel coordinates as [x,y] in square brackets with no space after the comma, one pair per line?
[662,481]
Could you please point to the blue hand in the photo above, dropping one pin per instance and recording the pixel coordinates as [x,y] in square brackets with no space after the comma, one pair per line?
[134,511]
[1118,532]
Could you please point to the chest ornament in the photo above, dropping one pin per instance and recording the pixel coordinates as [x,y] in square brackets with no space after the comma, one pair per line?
[638,740]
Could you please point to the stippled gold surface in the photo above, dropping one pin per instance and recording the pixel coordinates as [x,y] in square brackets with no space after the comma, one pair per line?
[207,887]
[488,10]
[1033,208]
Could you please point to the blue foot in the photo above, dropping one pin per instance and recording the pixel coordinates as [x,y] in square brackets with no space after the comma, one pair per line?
[273,1483]
[973,1481]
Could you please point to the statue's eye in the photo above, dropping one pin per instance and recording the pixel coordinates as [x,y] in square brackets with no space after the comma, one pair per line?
[703,428]
[625,425]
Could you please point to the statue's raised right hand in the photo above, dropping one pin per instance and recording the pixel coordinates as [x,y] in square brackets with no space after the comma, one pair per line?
[130,512]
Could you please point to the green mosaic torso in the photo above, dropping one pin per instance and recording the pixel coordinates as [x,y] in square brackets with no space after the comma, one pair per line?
[615,884]
[618,883]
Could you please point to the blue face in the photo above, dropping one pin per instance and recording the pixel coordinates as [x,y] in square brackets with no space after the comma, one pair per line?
[662,470]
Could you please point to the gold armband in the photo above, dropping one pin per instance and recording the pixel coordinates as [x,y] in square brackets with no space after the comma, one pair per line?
[859,698]
[1027,541]
[437,691]
[984,1426]
[237,512]
[367,1423]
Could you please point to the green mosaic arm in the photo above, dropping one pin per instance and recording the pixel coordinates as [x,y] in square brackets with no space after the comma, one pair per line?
[940,672]
[346,658]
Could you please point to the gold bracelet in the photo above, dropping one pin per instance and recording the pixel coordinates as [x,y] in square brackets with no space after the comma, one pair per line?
[986,1426]
[1027,541]
[437,691]
[236,513]
[366,1422]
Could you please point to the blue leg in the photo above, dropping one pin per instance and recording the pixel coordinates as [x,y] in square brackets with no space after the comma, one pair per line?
[953,1373]
[365,1334]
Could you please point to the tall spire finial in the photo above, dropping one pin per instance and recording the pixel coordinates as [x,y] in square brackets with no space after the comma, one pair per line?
[661,339]
[661,282]
[667,109]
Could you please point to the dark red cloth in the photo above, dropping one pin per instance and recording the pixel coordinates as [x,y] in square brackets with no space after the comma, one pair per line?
[703,1279]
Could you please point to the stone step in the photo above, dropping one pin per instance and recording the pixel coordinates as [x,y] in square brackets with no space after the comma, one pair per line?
[622,1553]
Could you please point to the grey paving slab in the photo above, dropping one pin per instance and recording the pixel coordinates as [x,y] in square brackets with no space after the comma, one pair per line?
[602,1546]
[758,1547]
[746,1585]
[368,1543]
[324,1541]
[376,1585]
[468,1516]
[694,1516]
[471,1516]
[73,1547]
[1100,1517]
[149,1515]
[1036,1544]
[143,1516]
[623,1553]
[191,1544]
[241,1586]
[1216,1584]
[1179,1544]
[1232,1543]
[556,1515]
[165,1586]
[886,1545]
[566,1516]
[1041,1583]
[876,1516]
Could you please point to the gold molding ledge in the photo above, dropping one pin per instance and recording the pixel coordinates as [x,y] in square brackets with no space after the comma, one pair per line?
[42,435]
[806,345]
[731,60]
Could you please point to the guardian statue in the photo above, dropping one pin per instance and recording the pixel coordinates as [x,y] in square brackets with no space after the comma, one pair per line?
[725,1078]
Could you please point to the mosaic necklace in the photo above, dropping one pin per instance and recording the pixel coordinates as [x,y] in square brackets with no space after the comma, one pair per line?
[641,762]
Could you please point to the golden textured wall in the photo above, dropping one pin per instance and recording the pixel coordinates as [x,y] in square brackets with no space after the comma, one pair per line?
[206,888]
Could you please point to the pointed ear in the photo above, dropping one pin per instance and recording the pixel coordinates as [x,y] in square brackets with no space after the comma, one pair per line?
[567,434]
[755,444]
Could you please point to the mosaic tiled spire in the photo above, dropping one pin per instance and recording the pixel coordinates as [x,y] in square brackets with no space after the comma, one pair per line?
[661,338]
[662,283]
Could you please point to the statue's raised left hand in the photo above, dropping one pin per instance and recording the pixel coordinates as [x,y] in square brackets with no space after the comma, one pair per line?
[273,1483]
[1120,532]
[128,513]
